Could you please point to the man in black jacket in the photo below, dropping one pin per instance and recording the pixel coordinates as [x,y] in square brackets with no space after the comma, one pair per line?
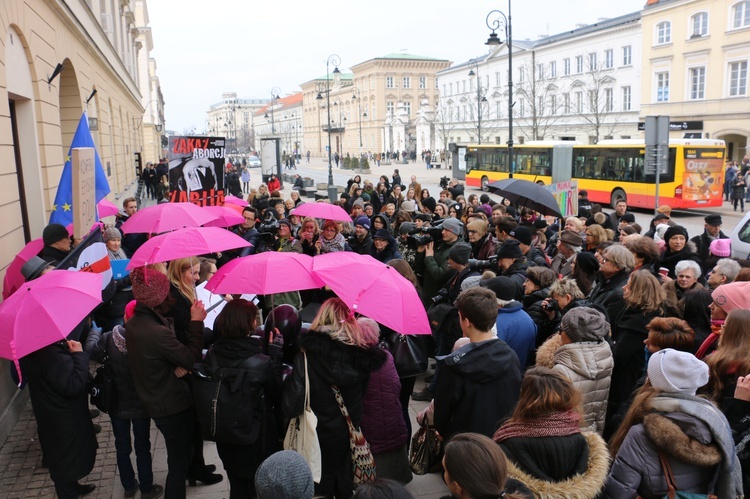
[613,275]
[361,242]
[711,231]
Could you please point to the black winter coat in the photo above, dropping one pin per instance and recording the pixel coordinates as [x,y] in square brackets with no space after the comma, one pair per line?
[608,293]
[551,459]
[113,345]
[532,304]
[517,273]
[670,259]
[361,247]
[478,387]
[57,381]
[331,362]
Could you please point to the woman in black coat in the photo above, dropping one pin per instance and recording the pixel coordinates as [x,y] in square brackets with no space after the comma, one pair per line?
[57,377]
[678,249]
[238,349]
[336,355]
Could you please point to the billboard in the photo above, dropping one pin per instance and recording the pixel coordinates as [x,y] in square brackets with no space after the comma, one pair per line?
[196,170]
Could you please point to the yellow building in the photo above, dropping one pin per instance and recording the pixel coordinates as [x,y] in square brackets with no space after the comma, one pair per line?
[695,56]
[54,55]
[377,105]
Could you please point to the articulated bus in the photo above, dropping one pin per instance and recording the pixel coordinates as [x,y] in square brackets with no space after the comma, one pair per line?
[611,170]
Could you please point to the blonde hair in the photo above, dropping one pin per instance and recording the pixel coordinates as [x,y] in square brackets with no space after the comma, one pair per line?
[646,293]
[337,321]
[174,273]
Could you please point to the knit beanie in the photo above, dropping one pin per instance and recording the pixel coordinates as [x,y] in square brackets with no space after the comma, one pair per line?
[460,253]
[408,206]
[584,324]
[673,371]
[363,221]
[587,262]
[382,234]
[359,202]
[453,225]
[503,287]
[509,249]
[429,204]
[284,475]
[406,227]
[111,233]
[150,287]
[522,235]
[721,247]
[53,233]
[732,296]
[673,231]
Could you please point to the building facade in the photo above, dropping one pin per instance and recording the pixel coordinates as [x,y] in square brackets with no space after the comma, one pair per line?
[580,85]
[696,55]
[58,60]
[375,108]
[282,118]
[233,118]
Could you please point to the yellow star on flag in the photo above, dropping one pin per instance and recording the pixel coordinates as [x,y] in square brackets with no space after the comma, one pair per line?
[67,159]
[54,207]
[66,207]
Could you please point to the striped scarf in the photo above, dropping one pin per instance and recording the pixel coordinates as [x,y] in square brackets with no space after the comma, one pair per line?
[557,424]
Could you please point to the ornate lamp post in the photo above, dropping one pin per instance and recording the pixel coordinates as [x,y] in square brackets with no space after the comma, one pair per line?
[358,97]
[333,60]
[275,91]
[474,65]
[500,19]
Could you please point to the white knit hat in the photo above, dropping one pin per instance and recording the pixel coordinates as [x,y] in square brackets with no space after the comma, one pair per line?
[672,371]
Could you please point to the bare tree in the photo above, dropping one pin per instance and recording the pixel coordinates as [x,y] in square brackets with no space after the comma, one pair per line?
[540,108]
[598,88]
[444,123]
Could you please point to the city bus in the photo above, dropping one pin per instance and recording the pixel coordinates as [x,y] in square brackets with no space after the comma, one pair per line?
[611,170]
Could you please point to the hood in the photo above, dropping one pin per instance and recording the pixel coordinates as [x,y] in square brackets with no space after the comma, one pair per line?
[484,356]
[684,437]
[237,348]
[588,359]
[338,363]
[383,218]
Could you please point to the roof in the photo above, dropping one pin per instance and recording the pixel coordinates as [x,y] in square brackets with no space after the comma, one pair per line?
[288,101]
[341,76]
[400,55]
[238,102]
[591,28]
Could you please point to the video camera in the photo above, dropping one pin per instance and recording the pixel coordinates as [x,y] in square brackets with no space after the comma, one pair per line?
[444,182]
[268,228]
[423,236]
[481,265]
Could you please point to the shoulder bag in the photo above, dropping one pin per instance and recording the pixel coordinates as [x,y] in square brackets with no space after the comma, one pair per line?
[302,434]
[103,390]
[408,356]
[363,462]
[672,492]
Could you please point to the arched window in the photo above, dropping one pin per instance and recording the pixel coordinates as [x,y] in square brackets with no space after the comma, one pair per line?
[741,14]
[699,25]
[664,32]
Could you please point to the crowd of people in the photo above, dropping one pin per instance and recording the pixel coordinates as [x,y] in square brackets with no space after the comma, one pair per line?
[586,357]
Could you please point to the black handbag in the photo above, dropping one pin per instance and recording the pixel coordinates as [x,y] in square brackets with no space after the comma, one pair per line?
[408,356]
[103,390]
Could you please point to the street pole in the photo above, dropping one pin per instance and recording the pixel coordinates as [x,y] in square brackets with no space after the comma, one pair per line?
[499,20]
[334,60]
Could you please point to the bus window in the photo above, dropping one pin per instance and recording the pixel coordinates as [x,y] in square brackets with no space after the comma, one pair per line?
[471,160]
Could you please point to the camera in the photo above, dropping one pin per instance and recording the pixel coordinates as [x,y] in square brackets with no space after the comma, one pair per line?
[440,297]
[481,265]
[550,305]
[268,229]
[444,182]
[423,236]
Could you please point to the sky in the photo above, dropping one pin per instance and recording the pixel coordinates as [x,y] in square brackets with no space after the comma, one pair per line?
[203,49]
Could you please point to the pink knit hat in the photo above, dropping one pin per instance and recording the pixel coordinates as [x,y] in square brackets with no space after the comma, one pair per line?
[732,296]
[721,247]
[150,287]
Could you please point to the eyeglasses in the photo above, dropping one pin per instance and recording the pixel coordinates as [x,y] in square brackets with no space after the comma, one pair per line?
[471,232]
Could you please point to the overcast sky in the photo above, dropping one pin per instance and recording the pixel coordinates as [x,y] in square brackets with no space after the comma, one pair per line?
[204,48]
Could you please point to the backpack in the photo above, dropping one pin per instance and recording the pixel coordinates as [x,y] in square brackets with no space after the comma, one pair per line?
[228,403]
[102,389]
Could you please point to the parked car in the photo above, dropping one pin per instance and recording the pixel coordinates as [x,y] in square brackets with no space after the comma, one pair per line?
[740,237]
[253,162]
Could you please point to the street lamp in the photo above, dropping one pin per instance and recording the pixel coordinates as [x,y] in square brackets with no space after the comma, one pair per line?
[232,123]
[275,91]
[358,97]
[499,19]
[474,65]
[333,60]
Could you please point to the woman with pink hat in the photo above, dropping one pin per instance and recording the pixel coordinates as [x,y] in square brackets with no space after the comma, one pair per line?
[728,297]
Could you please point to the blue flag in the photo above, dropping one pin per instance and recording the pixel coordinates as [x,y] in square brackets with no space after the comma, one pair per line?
[62,210]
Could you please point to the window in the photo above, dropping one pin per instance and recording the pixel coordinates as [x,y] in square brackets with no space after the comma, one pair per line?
[738,78]
[697,83]
[422,82]
[407,82]
[566,66]
[553,69]
[463,85]
[566,103]
[609,104]
[741,15]
[540,71]
[445,89]
[522,107]
[407,109]
[579,102]
[593,100]
[592,61]
[663,32]
[699,25]
[662,87]
[627,55]
[436,84]
[521,75]
[626,96]
[609,58]
[552,104]
[389,108]
[389,82]
[579,64]
[497,79]
[450,85]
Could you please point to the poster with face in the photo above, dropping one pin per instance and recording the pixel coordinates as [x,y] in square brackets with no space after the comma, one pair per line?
[196,170]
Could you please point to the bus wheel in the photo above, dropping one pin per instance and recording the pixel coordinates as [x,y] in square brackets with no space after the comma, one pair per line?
[485,183]
[617,195]
[539,182]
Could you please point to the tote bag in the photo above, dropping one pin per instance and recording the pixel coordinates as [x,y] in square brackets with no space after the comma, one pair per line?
[302,434]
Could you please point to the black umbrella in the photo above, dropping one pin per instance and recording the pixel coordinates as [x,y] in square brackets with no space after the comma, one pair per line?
[527,194]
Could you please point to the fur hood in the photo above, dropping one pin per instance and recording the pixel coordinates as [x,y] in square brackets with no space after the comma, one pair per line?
[686,439]
[545,354]
[583,486]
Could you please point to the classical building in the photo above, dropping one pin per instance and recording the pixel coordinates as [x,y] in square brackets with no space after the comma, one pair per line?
[233,118]
[696,55]
[578,85]
[375,108]
[281,118]
[59,59]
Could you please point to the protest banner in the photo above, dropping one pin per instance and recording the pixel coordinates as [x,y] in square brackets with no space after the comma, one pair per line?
[566,194]
[196,170]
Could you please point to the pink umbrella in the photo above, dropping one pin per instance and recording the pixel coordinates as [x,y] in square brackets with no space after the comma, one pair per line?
[181,243]
[264,274]
[106,208]
[46,310]
[373,289]
[326,211]
[165,217]
[235,200]
[225,217]
[13,278]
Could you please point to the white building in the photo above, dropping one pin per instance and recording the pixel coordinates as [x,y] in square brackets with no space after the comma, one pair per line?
[580,85]
[282,118]
[232,118]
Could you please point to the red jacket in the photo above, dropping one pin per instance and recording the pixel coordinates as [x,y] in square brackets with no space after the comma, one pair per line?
[274,185]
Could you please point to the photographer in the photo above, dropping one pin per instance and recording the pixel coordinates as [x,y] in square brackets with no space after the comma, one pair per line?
[512,264]
[455,189]
[285,242]
[432,261]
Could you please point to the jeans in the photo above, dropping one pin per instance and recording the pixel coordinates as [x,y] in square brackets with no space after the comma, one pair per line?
[142,434]
[177,430]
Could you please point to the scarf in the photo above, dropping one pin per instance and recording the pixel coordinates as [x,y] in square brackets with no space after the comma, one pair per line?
[729,482]
[710,339]
[335,244]
[557,424]
[117,255]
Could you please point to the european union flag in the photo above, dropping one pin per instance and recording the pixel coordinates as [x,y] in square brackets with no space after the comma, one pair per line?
[62,210]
